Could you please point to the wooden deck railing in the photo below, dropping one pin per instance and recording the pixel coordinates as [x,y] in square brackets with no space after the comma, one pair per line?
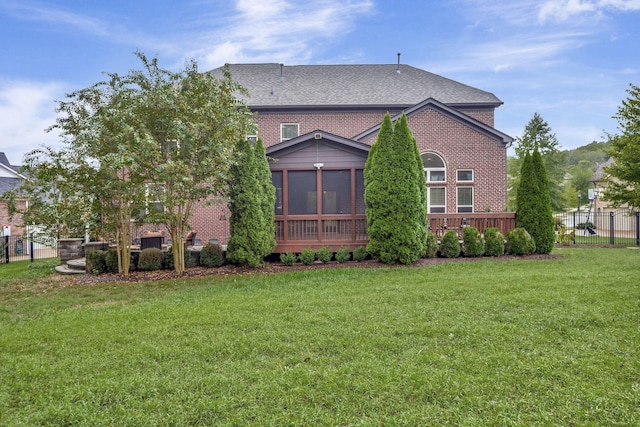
[295,233]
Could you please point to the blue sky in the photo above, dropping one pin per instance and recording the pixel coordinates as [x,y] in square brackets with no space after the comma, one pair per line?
[569,60]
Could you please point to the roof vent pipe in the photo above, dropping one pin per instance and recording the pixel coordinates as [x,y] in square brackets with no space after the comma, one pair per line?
[281,72]
[398,68]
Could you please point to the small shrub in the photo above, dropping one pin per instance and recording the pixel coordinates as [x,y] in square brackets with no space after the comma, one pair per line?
[520,242]
[168,260]
[563,237]
[493,242]
[288,258]
[150,259]
[324,255]
[95,263]
[211,255]
[431,248]
[343,255]
[473,243]
[307,256]
[450,246]
[360,254]
[111,260]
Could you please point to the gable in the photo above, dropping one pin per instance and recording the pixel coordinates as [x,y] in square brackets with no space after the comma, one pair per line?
[318,149]
[501,138]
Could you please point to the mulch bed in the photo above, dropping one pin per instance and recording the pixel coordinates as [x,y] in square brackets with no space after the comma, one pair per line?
[276,267]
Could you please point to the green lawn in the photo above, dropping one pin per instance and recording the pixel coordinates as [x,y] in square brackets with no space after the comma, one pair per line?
[521,342]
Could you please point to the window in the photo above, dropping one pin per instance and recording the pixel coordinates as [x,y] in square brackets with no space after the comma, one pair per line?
[465,199]
[288,131]
[302,193]
[152,202]
[434,169]
[360,205]
[276,180]
[436,199]
[464,175]
[336,192]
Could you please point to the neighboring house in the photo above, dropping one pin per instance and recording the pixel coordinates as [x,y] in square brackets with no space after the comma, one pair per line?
[10,179]
[318,123]
[601,211]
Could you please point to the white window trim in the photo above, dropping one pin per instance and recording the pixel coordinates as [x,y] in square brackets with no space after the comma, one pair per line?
[473,175]
[282,125]
[429,205]
[473,197]
[252,138]
[443,169]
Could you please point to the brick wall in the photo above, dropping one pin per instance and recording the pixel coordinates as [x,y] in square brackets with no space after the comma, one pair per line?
[16,222]
[460,146]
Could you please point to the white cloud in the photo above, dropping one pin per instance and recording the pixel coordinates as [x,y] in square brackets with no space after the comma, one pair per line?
[277,31]
[26,110]
[562,10]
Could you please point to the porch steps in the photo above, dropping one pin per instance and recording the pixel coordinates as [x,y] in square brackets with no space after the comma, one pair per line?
[73,266]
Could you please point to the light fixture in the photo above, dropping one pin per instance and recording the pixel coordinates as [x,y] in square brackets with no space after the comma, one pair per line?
[318,165]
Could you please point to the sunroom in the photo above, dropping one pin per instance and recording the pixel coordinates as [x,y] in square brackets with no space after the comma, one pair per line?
[319,192]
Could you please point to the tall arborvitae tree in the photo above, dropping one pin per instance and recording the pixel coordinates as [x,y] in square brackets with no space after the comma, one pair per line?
[246,220]
[267,200]
[527,191]
[395,201]
[377,186]
[534,212]
[544,233]
[538,135]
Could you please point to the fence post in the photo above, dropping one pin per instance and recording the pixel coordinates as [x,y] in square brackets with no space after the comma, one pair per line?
[637,228]
[6,249]
[31,247]
[612,234]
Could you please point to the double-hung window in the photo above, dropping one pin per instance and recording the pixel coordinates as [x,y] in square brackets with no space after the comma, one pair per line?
[289,131]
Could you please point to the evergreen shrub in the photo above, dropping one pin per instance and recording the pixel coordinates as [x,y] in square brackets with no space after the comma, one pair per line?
[150,259]
[324,255]
[520,242]
[472,241]
[450,246]
[360,254]
[493,242]
[111,260]
[95,263]
[343,255]
[288,258]
[307,256]
[211,255]
[431,246]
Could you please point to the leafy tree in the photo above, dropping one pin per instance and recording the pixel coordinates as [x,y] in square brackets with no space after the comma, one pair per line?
[192,120]
[623,181]
[395,196]
[534,212]
[245,203]
[538,134]
[149,128]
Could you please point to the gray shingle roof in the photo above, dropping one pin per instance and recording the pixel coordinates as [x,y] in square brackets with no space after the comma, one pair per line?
[600,173]
[350,85]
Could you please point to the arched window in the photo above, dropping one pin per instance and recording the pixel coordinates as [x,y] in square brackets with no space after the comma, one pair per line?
[434,169]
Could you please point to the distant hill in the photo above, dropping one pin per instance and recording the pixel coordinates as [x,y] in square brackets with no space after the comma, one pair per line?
[595,153]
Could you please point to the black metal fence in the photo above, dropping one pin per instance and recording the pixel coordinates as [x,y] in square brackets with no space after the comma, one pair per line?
[30,247]
[611,227]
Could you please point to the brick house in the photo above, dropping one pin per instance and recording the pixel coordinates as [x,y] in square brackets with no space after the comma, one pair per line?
[318,123]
